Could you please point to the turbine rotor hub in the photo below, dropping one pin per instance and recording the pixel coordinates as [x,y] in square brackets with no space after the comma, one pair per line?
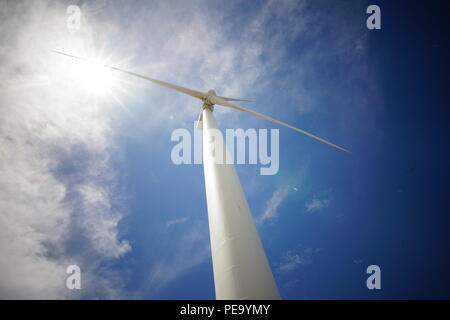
[207,99]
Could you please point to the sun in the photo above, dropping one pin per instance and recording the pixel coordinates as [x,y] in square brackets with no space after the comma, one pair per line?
[91,77]
[94,78]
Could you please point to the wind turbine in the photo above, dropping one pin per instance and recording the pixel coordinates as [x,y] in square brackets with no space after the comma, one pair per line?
[240,266]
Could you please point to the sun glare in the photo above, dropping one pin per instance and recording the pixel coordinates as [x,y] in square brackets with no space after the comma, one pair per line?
[90,76]
[94,78]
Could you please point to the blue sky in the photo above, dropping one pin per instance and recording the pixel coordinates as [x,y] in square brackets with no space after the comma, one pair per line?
[87,179]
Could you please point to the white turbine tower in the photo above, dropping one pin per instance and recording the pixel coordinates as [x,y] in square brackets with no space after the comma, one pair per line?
[240,266]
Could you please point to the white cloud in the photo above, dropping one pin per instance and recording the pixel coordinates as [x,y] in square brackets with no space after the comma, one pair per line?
[176,221]
[292,260]
[190,250]
[319,202]
[272,205]
[316,205]
[58,203]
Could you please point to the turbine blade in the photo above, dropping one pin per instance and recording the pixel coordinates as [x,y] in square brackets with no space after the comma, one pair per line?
[200,120]
[220,101]
[190,92]
[234,99]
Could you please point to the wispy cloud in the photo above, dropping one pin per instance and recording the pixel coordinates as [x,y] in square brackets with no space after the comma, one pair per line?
[271,210]
[189,251]
[176,221]
[320,201]
[292,260]
[316,205]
